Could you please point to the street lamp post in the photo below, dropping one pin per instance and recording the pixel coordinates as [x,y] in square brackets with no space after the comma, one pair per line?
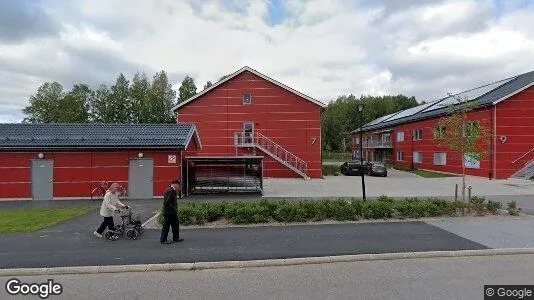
[360,109]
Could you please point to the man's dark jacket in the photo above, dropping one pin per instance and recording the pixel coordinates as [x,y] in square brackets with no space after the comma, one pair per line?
[170,205]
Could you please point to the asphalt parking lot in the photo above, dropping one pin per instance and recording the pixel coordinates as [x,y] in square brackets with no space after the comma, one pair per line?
[396,184]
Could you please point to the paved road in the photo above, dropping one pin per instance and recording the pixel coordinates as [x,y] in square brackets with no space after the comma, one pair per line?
[411,279]
[71,246]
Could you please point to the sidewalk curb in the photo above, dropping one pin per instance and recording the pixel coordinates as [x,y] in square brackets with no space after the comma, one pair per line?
[150,220]
[258,263]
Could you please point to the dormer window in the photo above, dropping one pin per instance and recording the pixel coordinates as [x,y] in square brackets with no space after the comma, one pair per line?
[247,99]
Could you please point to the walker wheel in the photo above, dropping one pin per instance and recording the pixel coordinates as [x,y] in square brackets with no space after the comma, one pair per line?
[132,234]
[110,236]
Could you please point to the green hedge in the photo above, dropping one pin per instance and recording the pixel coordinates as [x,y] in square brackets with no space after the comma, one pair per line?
[317,210]
[330,170]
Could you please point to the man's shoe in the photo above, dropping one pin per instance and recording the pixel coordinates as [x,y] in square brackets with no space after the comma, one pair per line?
[178,240]
[98,235]
[166,242]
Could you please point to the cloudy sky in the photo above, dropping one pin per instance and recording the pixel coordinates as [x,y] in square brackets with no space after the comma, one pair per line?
[324,48]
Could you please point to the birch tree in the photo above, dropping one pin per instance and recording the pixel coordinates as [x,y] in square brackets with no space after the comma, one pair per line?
[459,132]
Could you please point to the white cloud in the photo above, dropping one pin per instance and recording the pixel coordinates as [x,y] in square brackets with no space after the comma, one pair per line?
[322,48]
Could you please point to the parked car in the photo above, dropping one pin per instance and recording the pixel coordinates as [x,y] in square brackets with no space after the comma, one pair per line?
[377,169]
[353,168]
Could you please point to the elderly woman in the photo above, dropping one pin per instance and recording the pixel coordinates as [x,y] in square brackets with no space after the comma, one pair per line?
[109,206]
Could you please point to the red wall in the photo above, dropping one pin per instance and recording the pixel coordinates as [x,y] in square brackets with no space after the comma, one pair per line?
[428,146]
[282,116]
[77,173]
[513,118]
[515,121]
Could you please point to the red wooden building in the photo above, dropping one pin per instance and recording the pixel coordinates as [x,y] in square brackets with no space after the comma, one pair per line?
[250,114]
[62,161]
[409,138]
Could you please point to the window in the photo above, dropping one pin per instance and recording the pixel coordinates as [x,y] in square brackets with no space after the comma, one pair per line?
[400,136]
[417,134]
[439,132]
[400,156]
[471,129]
[248,132]
[247,99]
[440,159]
[471,162]
[417,157]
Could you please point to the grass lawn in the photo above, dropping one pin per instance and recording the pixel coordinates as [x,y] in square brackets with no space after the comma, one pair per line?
[28,220]
[428,174]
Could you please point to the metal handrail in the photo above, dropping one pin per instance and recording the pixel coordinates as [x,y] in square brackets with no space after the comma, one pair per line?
[284,151]
[298,163]
[526,153]
[377,144]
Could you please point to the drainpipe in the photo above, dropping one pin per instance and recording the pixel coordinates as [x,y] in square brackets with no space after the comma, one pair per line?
[490,174]
[494,154]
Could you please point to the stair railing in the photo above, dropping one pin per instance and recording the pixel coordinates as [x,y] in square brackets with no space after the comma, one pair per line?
[243,138]
[525,154]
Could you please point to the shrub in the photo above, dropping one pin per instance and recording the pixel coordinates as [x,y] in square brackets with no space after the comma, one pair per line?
[250,214]
[385,198]
[445,207]
[341,210]
[460,207]
[417,209]
[290,212]
[494,206]
[512,208]
[357,207]
[330,170]
[477,203]
[311,210]
[377,210]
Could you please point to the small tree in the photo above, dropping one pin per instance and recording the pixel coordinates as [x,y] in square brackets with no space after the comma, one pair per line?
[470,138]
[187,90]
[208,84]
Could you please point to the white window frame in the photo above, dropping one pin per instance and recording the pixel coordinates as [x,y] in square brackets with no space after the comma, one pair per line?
[470,162]
[245,102]
[400,136]
[418,157]
[400,156]
[440,157]
[417,137]
[468,126]
[439,132]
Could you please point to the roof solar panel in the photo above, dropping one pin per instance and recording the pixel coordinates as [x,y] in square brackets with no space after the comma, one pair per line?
[381,119]
[410,111]
[468,95]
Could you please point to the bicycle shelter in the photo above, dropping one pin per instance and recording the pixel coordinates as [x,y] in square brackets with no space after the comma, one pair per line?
[223,174]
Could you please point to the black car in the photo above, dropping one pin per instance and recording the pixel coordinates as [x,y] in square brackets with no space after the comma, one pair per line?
[377,169]
[354,168]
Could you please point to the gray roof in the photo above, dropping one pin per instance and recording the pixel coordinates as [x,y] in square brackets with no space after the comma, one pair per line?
[97,136]
[486,95]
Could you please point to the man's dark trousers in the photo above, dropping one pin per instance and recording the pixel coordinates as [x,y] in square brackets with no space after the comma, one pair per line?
[170,220]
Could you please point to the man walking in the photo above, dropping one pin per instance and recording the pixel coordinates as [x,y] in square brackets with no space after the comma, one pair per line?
[109,206]
[170,213]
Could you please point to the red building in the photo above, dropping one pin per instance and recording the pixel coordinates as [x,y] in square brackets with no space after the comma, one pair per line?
[248,113]
[61,161]
[408,138]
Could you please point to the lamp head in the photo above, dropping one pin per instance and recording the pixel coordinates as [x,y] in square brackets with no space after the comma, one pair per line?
[360,107]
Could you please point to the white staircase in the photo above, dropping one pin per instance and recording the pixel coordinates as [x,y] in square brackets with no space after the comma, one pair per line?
[526,173]
[279,153]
